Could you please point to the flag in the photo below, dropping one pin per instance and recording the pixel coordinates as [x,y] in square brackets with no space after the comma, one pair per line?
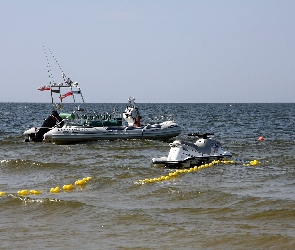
[55,90]
[76,91]
[65,95]
[44,88]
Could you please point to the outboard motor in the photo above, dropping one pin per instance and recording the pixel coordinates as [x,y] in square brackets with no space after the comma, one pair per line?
[48,123]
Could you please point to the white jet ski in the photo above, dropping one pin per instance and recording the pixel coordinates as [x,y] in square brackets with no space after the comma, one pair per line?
[185,154]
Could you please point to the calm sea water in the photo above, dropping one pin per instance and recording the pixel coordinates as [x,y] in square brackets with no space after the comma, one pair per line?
[222,207]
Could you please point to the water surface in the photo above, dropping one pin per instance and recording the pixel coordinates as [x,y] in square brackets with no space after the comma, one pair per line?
[222,207]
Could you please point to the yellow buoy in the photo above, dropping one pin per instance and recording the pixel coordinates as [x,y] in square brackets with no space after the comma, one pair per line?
[80,182]
[67,187]
[54,190]
[253,163]
[22,192]
[2,193]
[35,192]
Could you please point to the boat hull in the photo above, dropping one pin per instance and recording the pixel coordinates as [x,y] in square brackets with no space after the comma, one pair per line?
[73,134]
[187,163]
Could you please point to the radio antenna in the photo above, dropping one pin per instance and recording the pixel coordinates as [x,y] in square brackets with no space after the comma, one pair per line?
[62,72]
[51,80]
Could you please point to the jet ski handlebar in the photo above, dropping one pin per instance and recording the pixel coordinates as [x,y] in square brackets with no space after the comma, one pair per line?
[204,136]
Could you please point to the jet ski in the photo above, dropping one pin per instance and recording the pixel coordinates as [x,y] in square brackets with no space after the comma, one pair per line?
[185,154]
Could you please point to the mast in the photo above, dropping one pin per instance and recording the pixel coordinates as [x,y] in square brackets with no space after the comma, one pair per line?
[60,88]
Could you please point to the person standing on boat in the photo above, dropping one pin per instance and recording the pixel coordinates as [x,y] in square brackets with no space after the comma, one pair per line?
[132,116]
[48,123]
[136,116]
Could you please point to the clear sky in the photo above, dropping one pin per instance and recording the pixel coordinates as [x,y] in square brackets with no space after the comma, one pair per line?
[196,51]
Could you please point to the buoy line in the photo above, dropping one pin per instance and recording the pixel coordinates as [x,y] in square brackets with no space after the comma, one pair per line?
[194,169]
[81,182]
[66,188]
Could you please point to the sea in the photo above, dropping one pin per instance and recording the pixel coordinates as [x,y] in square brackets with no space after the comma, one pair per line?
[224,206]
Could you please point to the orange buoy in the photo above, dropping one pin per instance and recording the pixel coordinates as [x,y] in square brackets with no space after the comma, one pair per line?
[260,138]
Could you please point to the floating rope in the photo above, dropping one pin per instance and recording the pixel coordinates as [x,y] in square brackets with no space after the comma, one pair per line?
[66,188]
[194,169]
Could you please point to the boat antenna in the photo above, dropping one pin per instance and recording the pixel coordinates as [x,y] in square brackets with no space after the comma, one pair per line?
[67,81]
[51,80]
[62,72]
[49,68]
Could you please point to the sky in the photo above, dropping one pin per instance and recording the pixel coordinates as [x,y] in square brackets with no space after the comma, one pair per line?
[158,51]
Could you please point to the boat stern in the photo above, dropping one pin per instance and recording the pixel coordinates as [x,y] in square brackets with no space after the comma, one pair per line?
[176,157]
[30,131]
[30,134]
[48,137]
[159,160]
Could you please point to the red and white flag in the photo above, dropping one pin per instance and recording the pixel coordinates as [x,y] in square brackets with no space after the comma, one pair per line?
[44,88]
[65,95]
